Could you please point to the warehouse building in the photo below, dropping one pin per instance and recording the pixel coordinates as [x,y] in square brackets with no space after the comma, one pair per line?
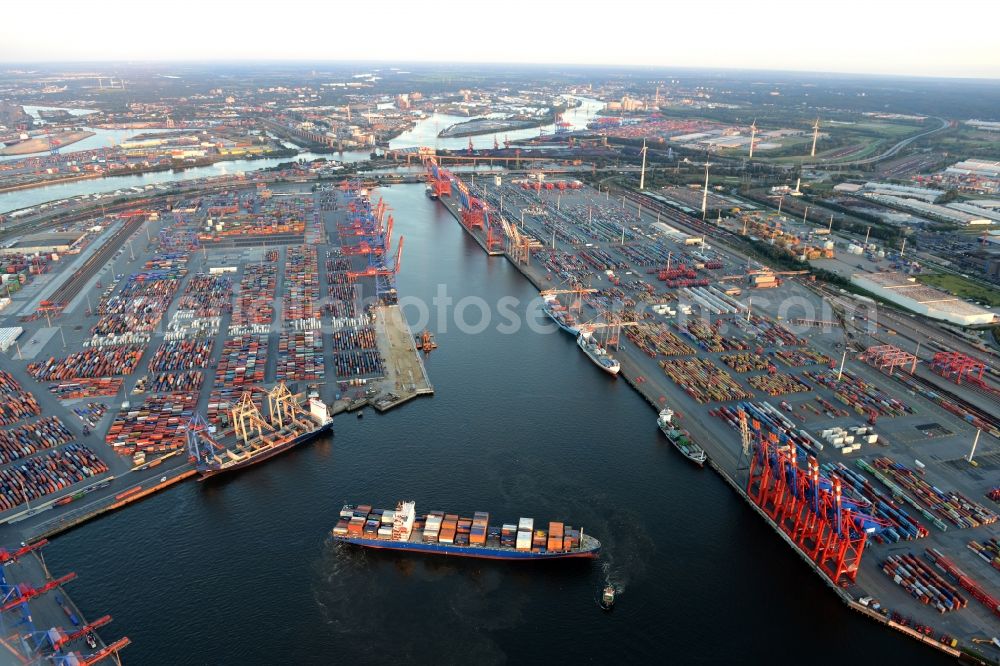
[44,243]
[905,291]
[934,211]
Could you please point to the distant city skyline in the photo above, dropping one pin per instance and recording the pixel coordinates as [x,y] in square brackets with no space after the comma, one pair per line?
[851,37]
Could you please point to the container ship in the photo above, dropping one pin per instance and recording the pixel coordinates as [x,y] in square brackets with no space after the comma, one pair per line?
[596,353]
[257,438]
[560,315]
[681,439]
[440,533]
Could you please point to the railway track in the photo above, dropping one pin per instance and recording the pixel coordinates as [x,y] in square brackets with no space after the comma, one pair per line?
[69,289]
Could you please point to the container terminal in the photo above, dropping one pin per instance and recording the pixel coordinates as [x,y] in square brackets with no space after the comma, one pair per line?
[40,624]
[834,436]
[194,310]
[120,348]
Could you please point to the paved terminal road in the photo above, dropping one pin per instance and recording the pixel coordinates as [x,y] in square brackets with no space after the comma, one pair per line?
[406,376]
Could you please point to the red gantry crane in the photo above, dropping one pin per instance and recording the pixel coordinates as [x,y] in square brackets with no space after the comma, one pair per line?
[808,507]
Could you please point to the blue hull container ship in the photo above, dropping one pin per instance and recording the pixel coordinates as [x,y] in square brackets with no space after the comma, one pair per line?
[440,533]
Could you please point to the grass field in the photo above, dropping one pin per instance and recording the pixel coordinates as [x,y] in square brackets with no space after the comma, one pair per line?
[962,288]
[890,130]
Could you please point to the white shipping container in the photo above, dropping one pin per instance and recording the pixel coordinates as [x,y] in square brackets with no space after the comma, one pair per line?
[523,541]
[526,524]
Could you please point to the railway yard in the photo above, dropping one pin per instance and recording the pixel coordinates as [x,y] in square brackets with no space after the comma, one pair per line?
[678,306]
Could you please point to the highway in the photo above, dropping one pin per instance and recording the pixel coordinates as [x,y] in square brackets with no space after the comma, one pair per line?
[887,154]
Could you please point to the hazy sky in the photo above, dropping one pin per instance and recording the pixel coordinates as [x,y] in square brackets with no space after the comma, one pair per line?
[956,38]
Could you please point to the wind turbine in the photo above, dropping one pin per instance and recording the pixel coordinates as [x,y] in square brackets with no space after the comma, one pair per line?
[642,174]
[753,136]
[815,137]
[704,194]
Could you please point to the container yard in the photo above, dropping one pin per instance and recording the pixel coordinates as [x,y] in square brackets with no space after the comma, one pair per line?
[17,404]
[699,311]
[37,602]
[87,388]
[207,313]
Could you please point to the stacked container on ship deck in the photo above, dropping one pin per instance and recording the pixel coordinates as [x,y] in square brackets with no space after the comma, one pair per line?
[508,536]
[385,526]
[449,526]
[480,523]
[524,530]
[432,526]
[555,541]
[356,526]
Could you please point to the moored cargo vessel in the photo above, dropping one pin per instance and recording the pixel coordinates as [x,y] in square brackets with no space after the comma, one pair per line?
[257,438]
[559,314]
[681,439]
[440,533]
[597,353]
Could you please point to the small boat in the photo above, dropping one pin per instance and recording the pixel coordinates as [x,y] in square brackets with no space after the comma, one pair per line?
[608,597]
[427,344]
[361,414]
[91,640]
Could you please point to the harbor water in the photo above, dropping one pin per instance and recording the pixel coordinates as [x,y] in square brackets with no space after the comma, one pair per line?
[240,569]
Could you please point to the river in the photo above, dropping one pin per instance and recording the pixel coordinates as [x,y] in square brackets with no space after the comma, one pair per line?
[424,133]
[103,138]
[239,570]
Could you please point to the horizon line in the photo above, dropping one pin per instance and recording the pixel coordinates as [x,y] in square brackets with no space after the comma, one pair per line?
[131,62]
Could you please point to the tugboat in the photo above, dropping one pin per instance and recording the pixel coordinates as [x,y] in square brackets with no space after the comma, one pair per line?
[91,640]
[427,344]
[608,597]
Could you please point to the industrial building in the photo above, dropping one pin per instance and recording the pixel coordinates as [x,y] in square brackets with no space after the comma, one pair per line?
[44,243]
[905,291]
[945,213]
[983,168]
[923,193]
[977,211]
